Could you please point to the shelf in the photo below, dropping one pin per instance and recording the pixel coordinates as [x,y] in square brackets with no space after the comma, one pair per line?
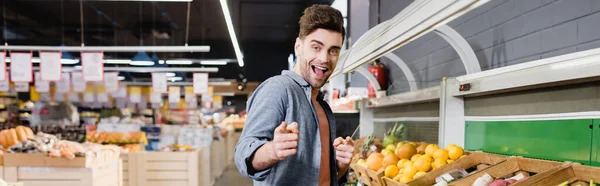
[565,69]
[419,96]
[401,119]
[418,19]
[346,111]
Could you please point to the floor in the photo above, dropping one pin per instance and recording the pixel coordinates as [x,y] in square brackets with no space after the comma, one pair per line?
[231,177]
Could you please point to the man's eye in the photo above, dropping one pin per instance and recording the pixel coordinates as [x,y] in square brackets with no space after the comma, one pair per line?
[315,48]
[334,52]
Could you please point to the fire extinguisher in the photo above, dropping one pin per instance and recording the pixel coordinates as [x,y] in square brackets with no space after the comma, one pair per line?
[380,72]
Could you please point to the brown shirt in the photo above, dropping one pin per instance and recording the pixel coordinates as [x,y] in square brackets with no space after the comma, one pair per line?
[324,173]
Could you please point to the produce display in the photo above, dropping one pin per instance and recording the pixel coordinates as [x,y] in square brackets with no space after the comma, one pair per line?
[10,137]
[63,132]
[117,137]
[404,161]
[566,183]
[53,147]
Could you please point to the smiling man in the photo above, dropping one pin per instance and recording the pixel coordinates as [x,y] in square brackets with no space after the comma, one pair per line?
[288,138]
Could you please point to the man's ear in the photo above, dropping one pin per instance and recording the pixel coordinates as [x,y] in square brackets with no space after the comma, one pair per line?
[297,46]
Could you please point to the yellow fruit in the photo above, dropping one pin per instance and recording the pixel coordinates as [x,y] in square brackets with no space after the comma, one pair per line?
[454,152]
[430,149]
[400,163]
[399,144]
[397,177]
[440,154]
[419,174]
[406,151]
[386,152]
[422,165]
[449,146]
[362,162]
[405,179]
[391,147]
[391,171]
[415,157]
[421,148]
[390,159]
[413,144]
[427,157]
[408,164]
[449,161]
[410,171]
[375,161]
[439,163]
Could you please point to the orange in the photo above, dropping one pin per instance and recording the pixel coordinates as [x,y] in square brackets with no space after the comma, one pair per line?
[391,171]
[454,152]
[449,146]
[408,164]
[419,174]
[439,163]
[422,165]
[405,179]
[427,157]
[375,161]
[440,154]
[390,159]
[431,148]
[415,157]
[400,163]
[397,177]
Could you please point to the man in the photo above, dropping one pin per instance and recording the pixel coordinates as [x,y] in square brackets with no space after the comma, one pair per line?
[288,138]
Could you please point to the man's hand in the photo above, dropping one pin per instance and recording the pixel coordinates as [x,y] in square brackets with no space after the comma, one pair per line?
[344,148]
[285,140]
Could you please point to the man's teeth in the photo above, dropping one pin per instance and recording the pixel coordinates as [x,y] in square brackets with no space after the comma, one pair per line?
[321,68]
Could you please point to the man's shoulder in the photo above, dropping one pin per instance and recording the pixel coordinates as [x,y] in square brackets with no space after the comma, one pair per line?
[279,81]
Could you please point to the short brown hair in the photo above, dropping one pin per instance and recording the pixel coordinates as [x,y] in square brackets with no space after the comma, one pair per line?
[321,16]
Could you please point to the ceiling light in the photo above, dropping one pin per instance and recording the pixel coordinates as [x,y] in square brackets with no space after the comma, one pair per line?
[121,78]
[69,61]
[150,0]
[213,62]
[179,62]
[141,59]
[117,61]
[36,60]
[175,78]
[170,74]
[234,41]
[7,60]
[161,62]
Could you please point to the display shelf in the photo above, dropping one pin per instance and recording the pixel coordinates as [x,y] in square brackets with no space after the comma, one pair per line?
[104,175]
[419,96]
[401,119]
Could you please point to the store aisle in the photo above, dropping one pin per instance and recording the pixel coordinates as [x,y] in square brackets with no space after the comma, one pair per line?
[231,177]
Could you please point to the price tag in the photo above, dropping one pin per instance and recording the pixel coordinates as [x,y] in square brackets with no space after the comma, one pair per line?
[174,94]
[78,84]
[74,97]
[89,97]
[111,82]
[21,68]
[64,85]
[159,82]
[93,66]
[3,74]
[41,85]
[135,94]
[156,97]
[22,86]
[200,83]
[103,97]
[50,66]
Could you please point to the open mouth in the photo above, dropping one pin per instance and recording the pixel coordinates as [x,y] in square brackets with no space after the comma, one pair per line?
[319,71]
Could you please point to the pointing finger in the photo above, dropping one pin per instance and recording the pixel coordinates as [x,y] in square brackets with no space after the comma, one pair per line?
[293,128]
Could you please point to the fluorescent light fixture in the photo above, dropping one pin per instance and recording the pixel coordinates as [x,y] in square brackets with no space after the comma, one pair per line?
[141,59]
[175,78]
[148,0]
[36,60]
[141,63]
[179,62]
[213,62]
[7,60]
[117,61]
[69,61]
[161,61]
[170,74]
[121,78]
[234,41]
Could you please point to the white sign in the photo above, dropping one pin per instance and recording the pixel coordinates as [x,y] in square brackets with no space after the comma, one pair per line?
[22,86]
[50,66]
[89,98]
[74,97]
[156,97]
[93,66]
[78,83]
[64,85]
[3,75]
[200,83]
[103,97]
[174,94]
[21,68]
[41,85]
[190,98]
[111,82]
[159,82]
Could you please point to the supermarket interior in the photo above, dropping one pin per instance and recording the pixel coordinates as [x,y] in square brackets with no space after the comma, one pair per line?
[231,92]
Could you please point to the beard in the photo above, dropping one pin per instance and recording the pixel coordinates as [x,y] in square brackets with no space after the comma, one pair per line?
[307,72]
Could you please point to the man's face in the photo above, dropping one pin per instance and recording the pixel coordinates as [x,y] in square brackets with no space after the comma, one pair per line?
[318,54]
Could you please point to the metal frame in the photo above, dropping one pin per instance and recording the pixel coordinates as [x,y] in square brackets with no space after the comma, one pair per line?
[418,96]
[412,82]
[108,48]
[462,47]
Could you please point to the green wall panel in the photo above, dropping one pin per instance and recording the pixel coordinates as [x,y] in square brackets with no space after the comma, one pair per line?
[596,144]
[562,140]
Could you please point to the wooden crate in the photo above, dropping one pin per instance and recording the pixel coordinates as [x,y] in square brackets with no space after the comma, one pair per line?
[217,159]
[513,165]
[231,141]
[204,171]
[107,174]
[361,172]
[376,177]
[574,173]
[165,168]
[129,167]
[472,160]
